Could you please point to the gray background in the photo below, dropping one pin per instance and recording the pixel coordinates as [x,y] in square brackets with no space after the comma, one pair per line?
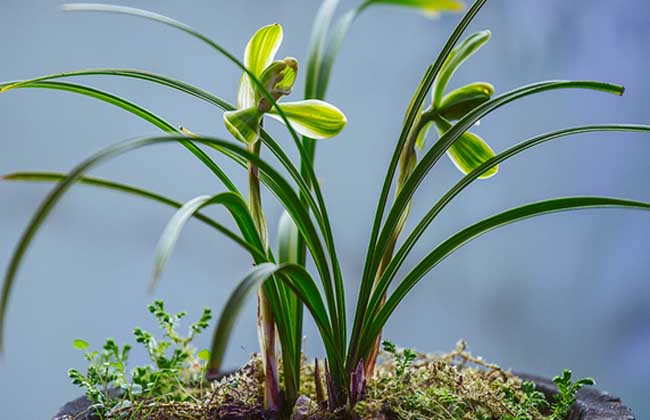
[568,290]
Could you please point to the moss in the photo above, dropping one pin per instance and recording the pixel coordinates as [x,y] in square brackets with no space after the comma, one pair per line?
[452,386]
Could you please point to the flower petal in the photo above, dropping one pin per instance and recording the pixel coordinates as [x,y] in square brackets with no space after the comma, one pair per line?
[469,151]
[278,79]
[287,78]
[460,101]
[313,118]
[260,52]
[457,57]
[244,124]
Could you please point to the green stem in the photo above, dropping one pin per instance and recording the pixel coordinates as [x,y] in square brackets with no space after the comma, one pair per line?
[265,321]
[408,161]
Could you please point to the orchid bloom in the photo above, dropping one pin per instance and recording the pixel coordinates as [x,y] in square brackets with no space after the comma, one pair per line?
[469,151]
[313,118]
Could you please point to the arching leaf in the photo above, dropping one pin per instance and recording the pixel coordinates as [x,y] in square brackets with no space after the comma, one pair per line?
[235,205]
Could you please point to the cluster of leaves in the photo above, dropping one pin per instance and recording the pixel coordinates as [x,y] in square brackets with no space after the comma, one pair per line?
[106,372]
[531,400]
[402,358]
[566,396]
[523,403]
[176,373]
[284,285]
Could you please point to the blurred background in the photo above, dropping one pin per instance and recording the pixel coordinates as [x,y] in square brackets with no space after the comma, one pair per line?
[562,291]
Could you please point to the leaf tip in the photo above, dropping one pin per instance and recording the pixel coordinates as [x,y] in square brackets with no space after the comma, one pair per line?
[154,281]
[621,91]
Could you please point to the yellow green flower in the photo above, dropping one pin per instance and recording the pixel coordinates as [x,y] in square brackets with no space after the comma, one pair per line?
[469,151]
[313,118]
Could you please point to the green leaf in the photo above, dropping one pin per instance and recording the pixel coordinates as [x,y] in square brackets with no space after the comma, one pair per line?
[166,81]
[287,239]
[80,344]
[402,201]
[235,205]
[139,192]
[203,355]
[165,20]
[427,7]
[399,257]
[134,109]
[464,236]
[461,53]
[323,222]
[445,141]
[317,41]
[244,124]
[469,151]
[288,236]
[372,255]
[206,96]
[325,47]
[313,118]
[260,52]
[300,282]
[460,101]
[276,183]
[100,95]
[131,73]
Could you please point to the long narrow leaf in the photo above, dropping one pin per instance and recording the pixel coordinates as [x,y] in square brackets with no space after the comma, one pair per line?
[300,282]
[131,73]
[462,237]
[135,191]
[235,205]
[400,256]
[165,20]
[316,43]
[178,85]
[410,118]
[279,187]
[288,238]
[447,139]
[134,109]
[339,320]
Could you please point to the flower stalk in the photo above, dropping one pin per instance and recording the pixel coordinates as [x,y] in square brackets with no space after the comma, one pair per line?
[265,83]
[265,321]
[408,161]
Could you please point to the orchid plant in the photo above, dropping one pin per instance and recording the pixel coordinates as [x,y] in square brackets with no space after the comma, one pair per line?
[283,285]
